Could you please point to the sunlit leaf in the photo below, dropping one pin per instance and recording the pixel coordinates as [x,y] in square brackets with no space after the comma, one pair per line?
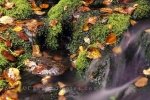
[87,40]
[36,51]
[141,82]
[6,20]
[18,52]
[17,28]
[107,2]
[111,39]
[93,53]
[146,72]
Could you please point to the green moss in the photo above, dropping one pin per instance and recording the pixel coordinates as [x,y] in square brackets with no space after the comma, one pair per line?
[58,13]
[21,9]
[3,84]
[119,22]
[82,61]
[142,10]
[3,61]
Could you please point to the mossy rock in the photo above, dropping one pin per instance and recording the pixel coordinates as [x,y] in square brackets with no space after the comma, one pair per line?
[21,10]
[142,10]
[60,12]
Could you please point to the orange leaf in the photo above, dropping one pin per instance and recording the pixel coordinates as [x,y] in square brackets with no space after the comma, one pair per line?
[111,39]
[23,36]
[84,9]
[141,82]
[44,6]
[92,20]
[88,2]
[107,2]
[53,22]
[106,10]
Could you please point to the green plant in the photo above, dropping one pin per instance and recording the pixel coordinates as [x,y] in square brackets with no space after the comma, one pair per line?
[119,22]
[21,9]
[142,10]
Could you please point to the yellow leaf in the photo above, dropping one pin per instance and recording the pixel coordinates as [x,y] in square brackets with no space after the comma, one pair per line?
[93,53]
[85,27]
[81,49]
[133,22]
[17,28]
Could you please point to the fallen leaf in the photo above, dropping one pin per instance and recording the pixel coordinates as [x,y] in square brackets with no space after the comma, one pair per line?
[109,26]
[6,20]
[36,51]
[62,92]
[111,39]
[83,9]
[53,22]
[146,72]
[81,49]
[93,53]
[87,40]
[17,28]
[107,2]
[85,27]
[8,43]
[106,10]
[141,82]
[8,55]
[133,22]
[44,6]
[9,5]
[39,12]
[91,20]
[18,52]
[100,45]
[121,10]
[23,36]
[61,85]
[65,8]
[117,50]
[3,28]
[87,2]
[36,9]
[45,80]
[130,10]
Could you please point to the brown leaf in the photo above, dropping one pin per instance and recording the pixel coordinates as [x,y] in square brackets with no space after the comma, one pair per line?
[44,6]
[91,20]
[141,82]
[53,22]
[121,10]
[23,36]
[3,28]
[36,51]
[88,2]
[8,43]
[18,52]
[130,10]
[111,39]
[84,9]
[8,55]
[106,10]
[107,2]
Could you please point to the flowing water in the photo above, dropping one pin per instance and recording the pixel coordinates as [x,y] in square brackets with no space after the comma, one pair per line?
[124,68]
